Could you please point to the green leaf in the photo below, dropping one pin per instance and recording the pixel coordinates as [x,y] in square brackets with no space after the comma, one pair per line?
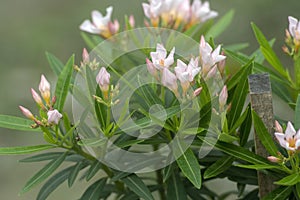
[220,26]
[239,96]
[245,127]
[297,113]
[74,173]
[292,179]
[55,64]
[88,40]
[44,173]
[218,167]
[167,172]
[175,188]
[94,191]
[17,123]
[259,167]
[267,51]
[24,149]
[237,152]
[263,135]
[94,168]
[297,190]
[42,157]
[279,193]
[136,185]
[63,84]
[92,142]
[53,183]
[189,166]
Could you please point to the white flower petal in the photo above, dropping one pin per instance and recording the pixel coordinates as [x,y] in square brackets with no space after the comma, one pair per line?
[89,27]
[170,59]
[292,25]
[281,139]
[290,131]
[146,8]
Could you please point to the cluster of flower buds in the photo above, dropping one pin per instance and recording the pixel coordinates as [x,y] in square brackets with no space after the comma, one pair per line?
[292,37]
[103,25]
[87,62]
[177,13]
[46,103]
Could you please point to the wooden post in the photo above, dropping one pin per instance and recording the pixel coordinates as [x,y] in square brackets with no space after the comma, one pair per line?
[261,103]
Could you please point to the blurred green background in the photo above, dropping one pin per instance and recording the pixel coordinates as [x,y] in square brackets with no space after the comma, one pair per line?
[32,27]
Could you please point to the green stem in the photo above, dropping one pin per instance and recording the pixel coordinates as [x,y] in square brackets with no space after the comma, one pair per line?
[160,179]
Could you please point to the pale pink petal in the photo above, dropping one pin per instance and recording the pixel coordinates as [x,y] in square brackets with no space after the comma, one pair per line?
[292,25]
[169,79]
[281,139]
[97,18]
[170,59]
[89,27]
[290,131]
[162,52]
[146,8]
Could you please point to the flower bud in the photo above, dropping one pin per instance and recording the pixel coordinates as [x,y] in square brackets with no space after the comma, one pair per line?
[212,72]
[131,21]
[151,68]
[103,79]
[223,96]
[85,56]
[273,159]
[53,116]
[197,91]
[27,113]
[278,127]
[44,88]
[36,97]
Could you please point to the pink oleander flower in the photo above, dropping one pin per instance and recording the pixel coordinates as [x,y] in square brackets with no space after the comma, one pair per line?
[294,28]
[27,113]
[159,57]
[44,88]
[290,140]
[169,80]
[200,12]
[103,79]
[53,116]
[101,24]
[186,73]
[208,57]
[223,96]
[153,10]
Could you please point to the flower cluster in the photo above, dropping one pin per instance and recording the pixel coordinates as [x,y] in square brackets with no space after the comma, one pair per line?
[290,139]
[292,36]
[160,67]
[100,24]
[45,103]
[177,13]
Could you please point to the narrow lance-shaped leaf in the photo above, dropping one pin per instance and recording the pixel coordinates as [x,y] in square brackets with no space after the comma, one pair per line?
[239,96]
[297,113]
[53,183]
[267,51]
[175,190]
[189,166]
[220,26]
[292,179]
[95,167]
[24,149]
[63,84]
[16,123]
[44,173]
[218,167]
[136,185]
[94,191]
[237,152]
[55,64]
[263,135]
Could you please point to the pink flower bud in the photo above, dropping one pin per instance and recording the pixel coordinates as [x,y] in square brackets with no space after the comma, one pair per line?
[37,98]
[53,116]
[273,159]
[113,27]
[169,80]
[85,56]
[44,88]
[278,127]
[27,113]
[151,68]
[131,21]
[212,72]
[197,91]
[223,96]
[103,79]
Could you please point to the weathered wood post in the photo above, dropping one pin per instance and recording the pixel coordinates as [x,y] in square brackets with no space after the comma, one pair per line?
[261,103]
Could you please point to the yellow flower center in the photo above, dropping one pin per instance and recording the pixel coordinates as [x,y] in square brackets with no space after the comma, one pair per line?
[292,142]
[162,62]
